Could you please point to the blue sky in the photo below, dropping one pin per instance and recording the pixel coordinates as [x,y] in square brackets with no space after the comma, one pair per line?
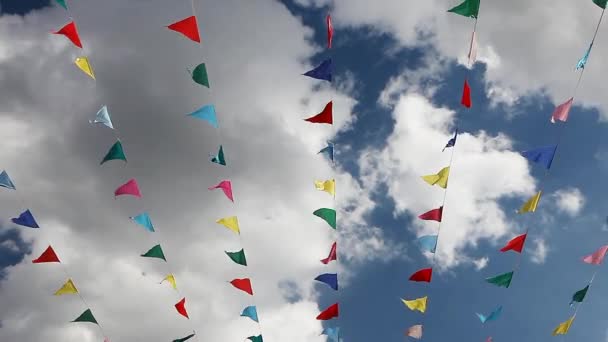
[538,298]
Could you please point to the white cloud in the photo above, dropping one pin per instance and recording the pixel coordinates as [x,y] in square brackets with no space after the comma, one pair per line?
[569,200]
[481,263]
[538,253]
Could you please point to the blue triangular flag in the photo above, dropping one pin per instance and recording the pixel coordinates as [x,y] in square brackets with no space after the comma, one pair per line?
[451,142]
[322,72]
[428,242]
[250,312]
[206,113]
[144,220]
[581,63]
[329,150]
[491,317]
[332,333]
[5,181]
[103,117]
[541,155]
[26,219]
[331,279]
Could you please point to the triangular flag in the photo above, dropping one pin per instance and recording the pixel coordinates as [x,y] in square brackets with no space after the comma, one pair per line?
[321,72]
[206,113]
[70,31]
[332,333]
[579,296]
[433,215]
[469,8]
[238,257]
[562,328]
[561,112]
[489,339]
[226,187]
[116,152]
[502,280]
[440,179]
[129,188]
[231,223]
[250,312]
[86,316]
[256,338]
[200,76]
[428,242]
[67,288]
[331,279]
[466,95]
[103,117]
[583,61]
[243,285]
[62,3]
[326,116]
[84,65]
[171,279]
[414,331]
[418,304]
[5,181]
[333,254]
[329,215]
[530,205]
[155,252]
[219,158]
[183,339]
[331,312]
[597,257]
[47,256]
[188,27]
[329,150]
[424,275]
[330,31]
[143,220]
[452,141]
[516,244]
[491,317]
[601,3]
[328,186]
[26,219]
[472,50]
[181,308]
[542,155]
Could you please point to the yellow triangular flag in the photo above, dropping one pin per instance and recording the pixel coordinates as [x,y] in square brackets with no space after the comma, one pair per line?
[171,279]
[441,178]
[416,304]
[67,288]
[562,328]
[530,206]
[328,186]
[85,66]
[231,223]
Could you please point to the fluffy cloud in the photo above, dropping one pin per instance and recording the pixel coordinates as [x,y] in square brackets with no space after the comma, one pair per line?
[539,251]
[570,200]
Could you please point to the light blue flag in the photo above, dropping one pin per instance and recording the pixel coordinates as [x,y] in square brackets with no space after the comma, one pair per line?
[541,155]
[581,63]
[332,333]
[144,220]
[103,117]
[250,312]
[491,317]
[5,181]
[329,150]
[206,113]
[428,242]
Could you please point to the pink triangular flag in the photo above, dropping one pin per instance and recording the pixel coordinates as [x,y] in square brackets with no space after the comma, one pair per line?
[597,257]
[415,331]
[473,50]
[129,188]
[561,112]
[226,186]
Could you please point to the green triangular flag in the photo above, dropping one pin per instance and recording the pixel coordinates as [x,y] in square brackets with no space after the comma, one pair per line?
[255,338]
[601,3]
[469,8]
[199,75]
[503,280]
[238,257]
[115,153]
[219,159]
[579,295]
[329,215]
[155,252]
[184,338]
[62,3]
[86,316]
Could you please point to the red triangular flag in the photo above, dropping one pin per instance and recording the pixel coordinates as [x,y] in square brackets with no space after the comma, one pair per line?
[326,116]
[243,285]
[329,313]
[69,30]
[516,244]
[333,255]
[423,275]
[188,27]
[47,256]
[181,307]
[330,31]
[433,215]
[466,95]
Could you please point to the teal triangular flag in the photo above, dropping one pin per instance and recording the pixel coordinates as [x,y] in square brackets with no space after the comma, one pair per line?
[62,3]
[219,158]
[206,113]
[144,220]
[115,153]
[199,75]
[250,312]
[5,181]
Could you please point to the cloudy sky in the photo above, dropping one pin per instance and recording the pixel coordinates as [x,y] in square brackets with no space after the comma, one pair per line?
[399,68]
